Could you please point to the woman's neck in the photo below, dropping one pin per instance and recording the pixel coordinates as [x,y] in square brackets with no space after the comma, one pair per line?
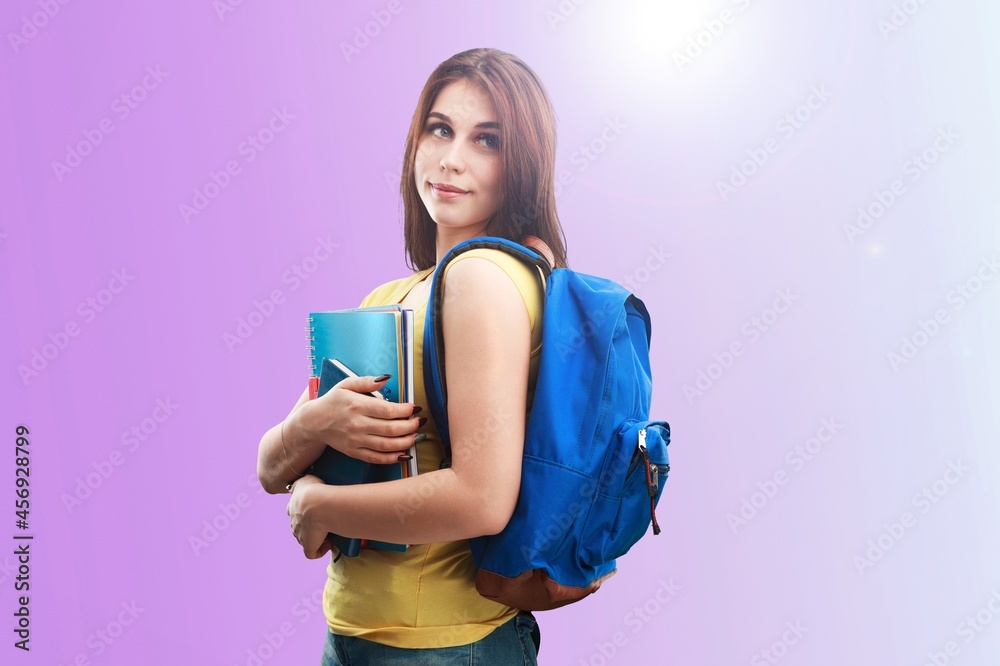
[449,237]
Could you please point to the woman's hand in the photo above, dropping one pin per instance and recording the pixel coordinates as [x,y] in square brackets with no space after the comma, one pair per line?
[301,509]
[359,425]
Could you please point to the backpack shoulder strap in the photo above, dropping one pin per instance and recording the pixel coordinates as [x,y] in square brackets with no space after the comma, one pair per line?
[434,371]
[541,247]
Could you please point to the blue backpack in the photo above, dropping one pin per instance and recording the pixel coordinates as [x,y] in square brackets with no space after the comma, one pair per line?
[594,464]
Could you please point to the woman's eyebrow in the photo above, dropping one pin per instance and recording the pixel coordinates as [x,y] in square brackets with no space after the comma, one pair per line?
[486,125]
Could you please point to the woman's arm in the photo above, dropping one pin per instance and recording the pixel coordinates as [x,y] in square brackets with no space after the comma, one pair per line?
[487,336]
[274,469]
[345,418]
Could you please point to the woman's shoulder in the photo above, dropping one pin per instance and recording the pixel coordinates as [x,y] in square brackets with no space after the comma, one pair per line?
[524,277]
[518,271]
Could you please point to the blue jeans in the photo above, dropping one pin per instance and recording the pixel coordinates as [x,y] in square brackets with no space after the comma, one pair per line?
[512,643]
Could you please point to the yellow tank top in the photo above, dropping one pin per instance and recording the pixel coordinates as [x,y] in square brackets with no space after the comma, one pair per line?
[424,597]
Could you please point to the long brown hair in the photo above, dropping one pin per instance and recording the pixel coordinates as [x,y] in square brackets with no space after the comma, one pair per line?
[527,154]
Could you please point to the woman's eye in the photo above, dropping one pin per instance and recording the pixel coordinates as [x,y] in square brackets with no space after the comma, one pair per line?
[490,140]
[442,131]
[443,128]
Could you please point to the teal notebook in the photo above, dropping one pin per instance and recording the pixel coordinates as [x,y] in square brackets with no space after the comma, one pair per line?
[368,341]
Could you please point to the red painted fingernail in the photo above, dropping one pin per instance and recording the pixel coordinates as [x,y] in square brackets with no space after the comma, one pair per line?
[416,410]
[403,457]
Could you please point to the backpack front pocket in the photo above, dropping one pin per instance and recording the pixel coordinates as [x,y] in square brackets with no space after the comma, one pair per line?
[623,505]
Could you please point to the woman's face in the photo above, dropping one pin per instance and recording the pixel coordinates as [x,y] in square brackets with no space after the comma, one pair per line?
[457,167]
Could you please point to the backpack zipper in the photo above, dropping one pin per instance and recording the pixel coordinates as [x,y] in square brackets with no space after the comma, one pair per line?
[652,478]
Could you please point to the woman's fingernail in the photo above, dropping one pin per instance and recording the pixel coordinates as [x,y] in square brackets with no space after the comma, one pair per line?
[419,438]
[416,410]
[421,421]
[403,457]
[382,378]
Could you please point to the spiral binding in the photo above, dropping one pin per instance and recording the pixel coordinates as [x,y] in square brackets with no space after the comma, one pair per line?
[310,345]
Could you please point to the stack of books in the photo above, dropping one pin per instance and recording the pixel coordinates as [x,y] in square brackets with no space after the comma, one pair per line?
[362,341]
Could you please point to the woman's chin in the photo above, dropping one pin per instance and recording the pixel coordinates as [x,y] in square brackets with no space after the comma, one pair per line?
[449,220]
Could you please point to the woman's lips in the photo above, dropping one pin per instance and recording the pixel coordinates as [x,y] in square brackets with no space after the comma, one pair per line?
[447,191]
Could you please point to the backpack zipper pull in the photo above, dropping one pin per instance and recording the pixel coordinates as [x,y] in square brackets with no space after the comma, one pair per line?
[652,474]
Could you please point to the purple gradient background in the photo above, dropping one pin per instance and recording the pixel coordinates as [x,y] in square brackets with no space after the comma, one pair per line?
[330,173]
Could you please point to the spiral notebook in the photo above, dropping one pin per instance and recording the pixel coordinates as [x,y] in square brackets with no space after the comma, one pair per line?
[364,341]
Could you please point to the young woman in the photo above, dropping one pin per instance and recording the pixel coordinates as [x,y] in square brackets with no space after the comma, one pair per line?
[480,160]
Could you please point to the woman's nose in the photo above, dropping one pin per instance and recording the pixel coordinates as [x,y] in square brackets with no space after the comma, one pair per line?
[452,158]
